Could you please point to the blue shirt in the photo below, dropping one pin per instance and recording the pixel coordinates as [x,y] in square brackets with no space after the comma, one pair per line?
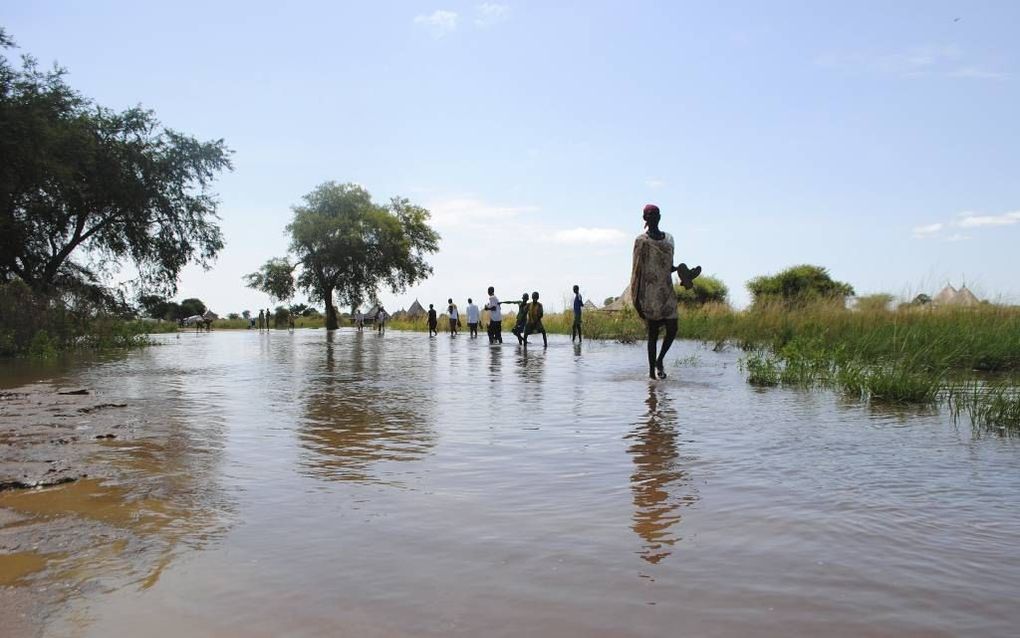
[578,304]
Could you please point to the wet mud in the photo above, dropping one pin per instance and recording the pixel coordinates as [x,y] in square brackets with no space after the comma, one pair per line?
[86,504]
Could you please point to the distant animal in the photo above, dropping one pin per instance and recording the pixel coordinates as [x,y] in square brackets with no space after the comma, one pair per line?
[201,321]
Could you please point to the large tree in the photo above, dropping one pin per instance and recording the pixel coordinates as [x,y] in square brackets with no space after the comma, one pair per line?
[84,189]
[348,247]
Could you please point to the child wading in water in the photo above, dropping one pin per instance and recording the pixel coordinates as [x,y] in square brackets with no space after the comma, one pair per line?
[534,316]
[522,317]
[433,321]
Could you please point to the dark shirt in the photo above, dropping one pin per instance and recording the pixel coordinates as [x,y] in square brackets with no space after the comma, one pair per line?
[432,316]
[578,304]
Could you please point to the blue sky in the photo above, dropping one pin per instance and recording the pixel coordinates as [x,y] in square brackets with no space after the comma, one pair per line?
[877,139]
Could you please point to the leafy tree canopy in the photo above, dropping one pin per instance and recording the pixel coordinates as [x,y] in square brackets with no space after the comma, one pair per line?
[349,247]
[706,290]
[275,278]
[192,306]
[84,189]
[798,284]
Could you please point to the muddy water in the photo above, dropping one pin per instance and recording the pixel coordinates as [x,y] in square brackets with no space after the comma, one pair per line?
[395,486]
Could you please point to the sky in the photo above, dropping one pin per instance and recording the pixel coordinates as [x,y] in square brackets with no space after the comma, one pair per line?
[879,140]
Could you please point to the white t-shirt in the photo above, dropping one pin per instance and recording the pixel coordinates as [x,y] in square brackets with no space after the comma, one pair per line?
[453,313]
[472,311]
[495,314]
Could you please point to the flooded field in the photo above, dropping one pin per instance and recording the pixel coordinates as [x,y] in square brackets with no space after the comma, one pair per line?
[244,484]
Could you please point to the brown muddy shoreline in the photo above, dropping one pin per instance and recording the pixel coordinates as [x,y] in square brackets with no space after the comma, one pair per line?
[85,503]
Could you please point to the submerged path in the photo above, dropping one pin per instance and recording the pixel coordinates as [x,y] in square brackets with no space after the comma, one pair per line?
[260,485]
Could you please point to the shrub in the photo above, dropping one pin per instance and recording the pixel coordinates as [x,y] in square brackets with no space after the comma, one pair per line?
[705,290]
[798,285]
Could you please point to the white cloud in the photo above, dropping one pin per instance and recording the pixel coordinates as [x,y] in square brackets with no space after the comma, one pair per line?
[972,220]
[976,73]
[583,235]
[460,211]
[439,22]
[653,182]
[490,13]
[927,230]
[957,237]
[928,61]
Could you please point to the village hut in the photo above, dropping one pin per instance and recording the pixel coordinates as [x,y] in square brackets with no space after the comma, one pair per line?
[369,317]
[589,306]
[946,296]
[624,301]
[416,311]
[964,297]
[950,296]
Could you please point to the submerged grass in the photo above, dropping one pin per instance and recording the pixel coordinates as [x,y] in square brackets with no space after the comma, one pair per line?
[990,405]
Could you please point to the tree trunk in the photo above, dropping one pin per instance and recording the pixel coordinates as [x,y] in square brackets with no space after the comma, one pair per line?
[331,322]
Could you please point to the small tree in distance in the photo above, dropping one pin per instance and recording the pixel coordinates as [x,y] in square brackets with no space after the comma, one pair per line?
[275,278]
[798,285]
[348,247]
[706,290]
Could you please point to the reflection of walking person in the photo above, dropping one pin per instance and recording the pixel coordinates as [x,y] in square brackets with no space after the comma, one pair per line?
[575,329]
[651,286]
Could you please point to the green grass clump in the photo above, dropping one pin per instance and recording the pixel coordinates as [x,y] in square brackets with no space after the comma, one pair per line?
[992,406]
[763,369]
[890,384]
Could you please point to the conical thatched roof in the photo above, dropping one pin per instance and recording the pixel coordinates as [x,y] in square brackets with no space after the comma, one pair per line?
[589,306]
[625,300]
[964,297]
[950,296]
[946,296]
[416,310]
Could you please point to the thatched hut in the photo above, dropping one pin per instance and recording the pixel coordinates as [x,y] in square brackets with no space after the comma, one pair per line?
[416,311]
[623,302]
[950,296]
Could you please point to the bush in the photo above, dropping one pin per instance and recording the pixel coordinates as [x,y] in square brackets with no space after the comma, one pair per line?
[798,285]
[879,302]
[705,290]
[42,326]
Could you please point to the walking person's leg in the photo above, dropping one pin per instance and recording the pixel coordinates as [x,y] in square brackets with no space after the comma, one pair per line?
[653,337]
[667,341]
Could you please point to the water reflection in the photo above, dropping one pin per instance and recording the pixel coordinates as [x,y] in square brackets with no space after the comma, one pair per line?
[357,416]
[657,478]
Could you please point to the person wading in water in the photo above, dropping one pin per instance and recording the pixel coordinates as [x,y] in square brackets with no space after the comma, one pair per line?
[651,287]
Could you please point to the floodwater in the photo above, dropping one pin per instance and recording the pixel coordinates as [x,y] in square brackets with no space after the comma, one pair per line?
[352,484]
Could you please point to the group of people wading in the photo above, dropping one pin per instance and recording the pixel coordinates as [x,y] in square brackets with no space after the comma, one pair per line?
[529,318]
